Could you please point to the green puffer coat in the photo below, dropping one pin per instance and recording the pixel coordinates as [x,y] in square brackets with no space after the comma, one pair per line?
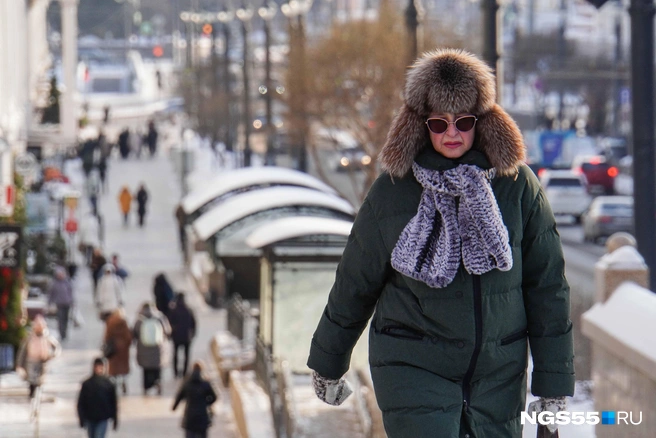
[451,362]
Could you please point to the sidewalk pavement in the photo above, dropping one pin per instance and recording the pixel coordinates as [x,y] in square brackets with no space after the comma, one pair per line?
[144,252]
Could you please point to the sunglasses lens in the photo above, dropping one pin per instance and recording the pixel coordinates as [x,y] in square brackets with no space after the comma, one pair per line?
[465,124]
[437,126]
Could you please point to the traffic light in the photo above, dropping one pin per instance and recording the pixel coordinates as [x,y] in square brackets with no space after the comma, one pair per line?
[207,29]
[597,3]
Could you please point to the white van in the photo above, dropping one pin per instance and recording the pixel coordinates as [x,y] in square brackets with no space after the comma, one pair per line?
[566,192]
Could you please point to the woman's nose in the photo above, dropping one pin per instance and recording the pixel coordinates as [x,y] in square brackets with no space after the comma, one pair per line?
[451,130]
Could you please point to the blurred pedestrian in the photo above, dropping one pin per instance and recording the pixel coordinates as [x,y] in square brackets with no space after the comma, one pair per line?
[116,348]
[142,200]
[181,218]
[89,236]
[87,155]
[183,331]
[151,138]
[60,294]
[98,260]
[199,396]
[151,332]
[163,293]
[124,143]
[125,203]
[104,151]
[37,349]
[96,403]
[119,269]
[93,187]
[110,292]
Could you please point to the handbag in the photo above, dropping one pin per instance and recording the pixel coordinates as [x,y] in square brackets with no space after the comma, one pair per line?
[543,432]
[109,349]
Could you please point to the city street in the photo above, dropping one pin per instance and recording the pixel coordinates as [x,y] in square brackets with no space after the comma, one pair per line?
[144,253]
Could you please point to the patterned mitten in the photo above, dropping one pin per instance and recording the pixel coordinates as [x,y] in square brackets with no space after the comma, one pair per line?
[333,392]
[554,405]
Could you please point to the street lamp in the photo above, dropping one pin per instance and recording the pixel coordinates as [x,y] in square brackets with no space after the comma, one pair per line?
[412,23]
[297,9]
[186,19]
[244,14]
[225,17]
[267,13]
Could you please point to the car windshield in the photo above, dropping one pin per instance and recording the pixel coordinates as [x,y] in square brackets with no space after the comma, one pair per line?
[564,182]
[587,167]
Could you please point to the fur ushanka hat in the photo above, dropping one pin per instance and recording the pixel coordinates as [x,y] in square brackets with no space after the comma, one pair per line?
[452,81]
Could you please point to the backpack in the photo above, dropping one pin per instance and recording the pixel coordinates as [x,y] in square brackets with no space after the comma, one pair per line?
[151,333]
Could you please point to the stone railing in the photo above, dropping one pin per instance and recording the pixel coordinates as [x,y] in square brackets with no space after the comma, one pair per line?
[621,326]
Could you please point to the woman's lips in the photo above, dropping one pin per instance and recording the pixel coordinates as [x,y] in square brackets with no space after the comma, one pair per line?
[452,144]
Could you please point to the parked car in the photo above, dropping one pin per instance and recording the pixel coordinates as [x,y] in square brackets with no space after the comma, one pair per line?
[599,174]
[608,215]
[566,191]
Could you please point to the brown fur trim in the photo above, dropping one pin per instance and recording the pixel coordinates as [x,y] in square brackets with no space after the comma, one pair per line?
[451,81]
[404,141]
[499,138]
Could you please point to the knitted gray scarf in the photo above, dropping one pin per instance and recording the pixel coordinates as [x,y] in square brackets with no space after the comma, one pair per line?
[458,217]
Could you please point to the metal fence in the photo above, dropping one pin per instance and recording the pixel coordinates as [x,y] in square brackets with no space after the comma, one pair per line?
[238,313]
[266,375]
[287,405]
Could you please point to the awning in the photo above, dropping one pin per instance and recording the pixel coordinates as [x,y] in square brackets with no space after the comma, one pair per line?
[246,204]
[250,177]
[292,227]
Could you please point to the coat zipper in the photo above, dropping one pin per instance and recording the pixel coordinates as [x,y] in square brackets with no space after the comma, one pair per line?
[478,322]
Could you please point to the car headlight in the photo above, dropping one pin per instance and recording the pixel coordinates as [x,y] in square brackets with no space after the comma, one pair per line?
[344,161]
[365,160]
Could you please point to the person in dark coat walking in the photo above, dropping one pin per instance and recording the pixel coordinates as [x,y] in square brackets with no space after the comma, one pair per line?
[97,404]
[61,295]
[199,397]
[183,331]
[98,260]
[181,218]
[124,143]
[151,138]
[120,271]
[142,199]
[163,293]
[456,255]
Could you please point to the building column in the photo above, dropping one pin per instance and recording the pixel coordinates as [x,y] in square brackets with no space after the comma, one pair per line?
[68,109]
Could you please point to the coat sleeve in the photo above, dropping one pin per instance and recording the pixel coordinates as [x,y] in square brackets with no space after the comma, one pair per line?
[547,304]
[210,395]
[166,326]
[360,277]
[81,403]
[114,404]
[179,396]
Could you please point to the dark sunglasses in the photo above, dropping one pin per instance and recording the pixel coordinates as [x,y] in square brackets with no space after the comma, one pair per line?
[462,124]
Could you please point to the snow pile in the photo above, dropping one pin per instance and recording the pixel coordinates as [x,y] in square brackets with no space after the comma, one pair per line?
[625,257]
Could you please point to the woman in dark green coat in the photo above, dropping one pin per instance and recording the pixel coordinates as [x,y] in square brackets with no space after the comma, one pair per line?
[455,253]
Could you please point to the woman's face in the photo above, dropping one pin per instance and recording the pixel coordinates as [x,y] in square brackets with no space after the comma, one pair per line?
[452,143]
